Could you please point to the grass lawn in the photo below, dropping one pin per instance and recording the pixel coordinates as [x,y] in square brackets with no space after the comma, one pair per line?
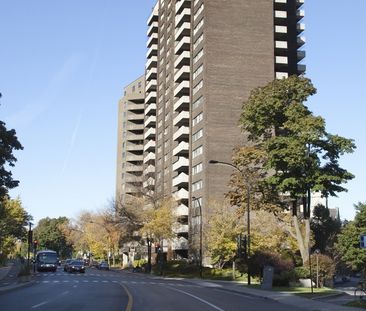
[306,292]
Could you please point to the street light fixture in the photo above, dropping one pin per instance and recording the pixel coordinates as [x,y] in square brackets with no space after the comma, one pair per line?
[248,208]
[200,207]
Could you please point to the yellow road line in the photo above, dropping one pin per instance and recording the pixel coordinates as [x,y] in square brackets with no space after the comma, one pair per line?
[130,299]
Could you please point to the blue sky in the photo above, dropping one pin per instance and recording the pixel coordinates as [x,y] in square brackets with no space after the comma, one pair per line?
[63,66]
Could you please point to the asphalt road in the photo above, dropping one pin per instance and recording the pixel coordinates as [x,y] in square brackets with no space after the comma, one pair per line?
[123,291]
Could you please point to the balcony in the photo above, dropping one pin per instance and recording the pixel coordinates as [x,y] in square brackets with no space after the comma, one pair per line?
[130,168]
[181,180]
[181,89]
[183,31]
[280,29]
[150,121]
[300,27]
[280,14]
[181,5]
[182,60]
[152,40]
[152,28]
[149,158]
[150,133]
[281,60]
[150,109]
[182,74]
[181,119]
[182,104]
[183,45]
[181,134]
[181,210]
[181,164]
[301,68]
[135,137]
[300,41]
[149,170]
[179,228]
[135,116]
[180,243]
[181,194]
[149,183]
[134,157]
[151,86]
[135,107]
[300,14]
[134,127]
[152,51]
[151,62]
[134,147]
[300,55]
[181,150]
[151,74]
[154,17]
[281,75]
[299,2]
[149,146]
[150,98]
[280,1]
[130,178]
[183,16]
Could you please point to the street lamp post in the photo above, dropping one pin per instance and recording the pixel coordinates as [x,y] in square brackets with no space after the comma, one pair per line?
[317,252]
[248,209]
[200,207]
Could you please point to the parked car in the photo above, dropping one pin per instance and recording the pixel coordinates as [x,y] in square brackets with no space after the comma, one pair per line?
[76,266]
[66,264]
[103,265]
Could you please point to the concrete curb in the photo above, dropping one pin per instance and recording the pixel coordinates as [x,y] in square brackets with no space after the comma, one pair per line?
[9,288]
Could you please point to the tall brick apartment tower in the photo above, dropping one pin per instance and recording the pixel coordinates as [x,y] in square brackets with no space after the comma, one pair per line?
[203,59]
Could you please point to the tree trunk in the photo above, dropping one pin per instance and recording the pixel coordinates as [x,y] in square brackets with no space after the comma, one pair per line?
[302,238]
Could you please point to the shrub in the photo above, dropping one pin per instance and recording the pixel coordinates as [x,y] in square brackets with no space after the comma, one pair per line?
[302,272]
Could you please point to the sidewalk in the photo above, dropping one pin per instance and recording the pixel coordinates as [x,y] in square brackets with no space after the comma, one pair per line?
[281,297]
[9,276]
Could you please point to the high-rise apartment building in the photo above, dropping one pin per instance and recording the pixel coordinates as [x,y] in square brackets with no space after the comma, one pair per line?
[130,145]
[203,59]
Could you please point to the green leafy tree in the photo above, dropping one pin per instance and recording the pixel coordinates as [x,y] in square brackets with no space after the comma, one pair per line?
[50,235]
[298,153]
[348,241]
[324,228]
[13,219]
[8,144]
[223,228]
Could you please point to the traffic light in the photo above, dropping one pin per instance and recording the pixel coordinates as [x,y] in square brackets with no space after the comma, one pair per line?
[30,237]
[35,245]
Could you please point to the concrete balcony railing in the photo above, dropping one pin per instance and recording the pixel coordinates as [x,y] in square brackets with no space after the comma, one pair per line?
[130,178]
[150,121]
[149,146]
[181,194]
[182,149]
[181,134]
[300,14]
[150,109]
[181,164]
[135,137]
[180,180]
[300,2]
[300,41]
[181,210]
[281,75]
[182,103]
[151,86]
[183,16]
[281,44]
[300,27]
[135,127]
[280,14]
[152,51]
[181,5]
[183,45]
[181,88]
[134,157]
[182,74]
[151,74]
[300,55]
[133,106]
[149,183]
[134,147]
[149,157]
[133,168]
[301,68]
[150,98]
[184,30]
[149,170]
[135,116]
[180,244]
[179,228]
[280,29]
[154,16]
[182,60]
[152,40]
[150,133]
[283,60]
[151,62]
[181,119]
[152,28]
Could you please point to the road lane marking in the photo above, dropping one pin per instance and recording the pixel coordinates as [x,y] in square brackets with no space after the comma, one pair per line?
[198,298]
[130,299]
[40,304]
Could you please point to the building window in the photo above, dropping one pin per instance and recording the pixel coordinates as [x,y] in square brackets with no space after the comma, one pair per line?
[198,86]
[196,152]
[197,71]
[197,185]
[197,103]
[198,27]
[197,119]
[198,41]
[197,169]
[198,56]
[197,135]
[198,12]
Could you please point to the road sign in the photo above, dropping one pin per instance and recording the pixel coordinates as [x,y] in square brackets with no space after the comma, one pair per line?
[363,241]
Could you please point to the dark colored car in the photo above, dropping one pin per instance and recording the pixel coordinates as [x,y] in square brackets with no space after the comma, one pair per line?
[103,266]
[76,266]
[66,264]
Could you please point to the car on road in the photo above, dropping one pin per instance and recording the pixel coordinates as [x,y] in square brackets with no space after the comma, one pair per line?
[66,264]
[76,266]
[103,266]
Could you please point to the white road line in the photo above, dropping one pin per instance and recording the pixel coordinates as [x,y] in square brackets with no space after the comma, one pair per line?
[40,304]
[198,298]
